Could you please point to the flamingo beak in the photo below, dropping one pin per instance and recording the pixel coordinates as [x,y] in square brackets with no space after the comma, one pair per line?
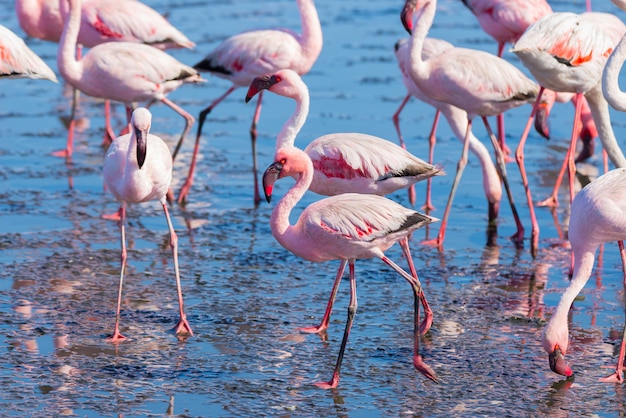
[406,15]
[264,82]
[142,145]
[269,178]
[541,121]
[558,364]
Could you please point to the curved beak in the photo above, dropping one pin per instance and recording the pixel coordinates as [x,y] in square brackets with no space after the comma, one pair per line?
[558,363]
[272,173]
[142,145]
[541,120]
[406,15]
[260,83]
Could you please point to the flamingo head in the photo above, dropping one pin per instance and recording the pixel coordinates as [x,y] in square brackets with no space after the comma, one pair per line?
[272,173]
[140,121]
[555,341]
[289,161]
[407,15]
[285,83]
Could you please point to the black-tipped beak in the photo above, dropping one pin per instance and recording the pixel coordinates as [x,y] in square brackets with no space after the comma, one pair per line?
[541,121]
[406,15]
[272,173]
[558,363]
[263,82]
[142,145]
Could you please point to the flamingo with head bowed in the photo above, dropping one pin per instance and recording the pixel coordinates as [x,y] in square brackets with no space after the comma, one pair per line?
[101,21]
[344,227]
[138,168]
[598,215]
[457,119]
[567,52]
[19,61]
[475,81]
[250,54]
[345,162]
[122,71]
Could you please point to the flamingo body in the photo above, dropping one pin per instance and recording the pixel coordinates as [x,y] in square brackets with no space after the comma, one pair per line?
[17,60]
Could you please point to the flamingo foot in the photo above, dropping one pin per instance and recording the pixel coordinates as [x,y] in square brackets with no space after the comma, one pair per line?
[112,216]
[508,158]
[435,242]
[617,377]
[332,384]
[183,327]
[117,337]
[62,153]
[551,202]
[427,207]
[314,329]
[424,368]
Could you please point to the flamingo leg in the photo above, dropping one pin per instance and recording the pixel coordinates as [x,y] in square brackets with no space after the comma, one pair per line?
[438,242]
[69,145]
[396,119]
[432,139]
[502,138]
[323,326]
[117,336]
[253,136]
[418,361]
[184,191]
[109,134]
[183,326]
[334,381]
[428,312]
[618,376]
[518,237]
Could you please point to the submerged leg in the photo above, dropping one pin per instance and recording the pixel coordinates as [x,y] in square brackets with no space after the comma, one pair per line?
[323,326]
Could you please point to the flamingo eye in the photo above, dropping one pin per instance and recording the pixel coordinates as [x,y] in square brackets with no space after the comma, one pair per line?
[283,161]
[278,78]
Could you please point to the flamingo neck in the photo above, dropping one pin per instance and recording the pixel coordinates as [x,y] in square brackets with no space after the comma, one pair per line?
[600,111]
[282,230]
[557,330]
[610,85]
[291,128]
[311,38]
[422,22]
[70,68]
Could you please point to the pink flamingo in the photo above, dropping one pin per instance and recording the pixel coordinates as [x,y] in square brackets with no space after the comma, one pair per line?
[134,175]
[247,55]
[345,162]
[566,52]
[122,71]
[597,216]
[344,227]
[19,61]
[475,81]
[101,21]
[457,119]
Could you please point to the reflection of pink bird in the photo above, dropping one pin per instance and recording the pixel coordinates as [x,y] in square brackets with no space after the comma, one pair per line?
[457,119]
[345,227]
[566,52]
[19,61]
[344,162]
[101,21]
[138,168]
[122,71]
[247,55]
[475,81]
[598,215]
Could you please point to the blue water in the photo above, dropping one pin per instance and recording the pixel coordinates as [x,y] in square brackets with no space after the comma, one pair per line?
[245,295]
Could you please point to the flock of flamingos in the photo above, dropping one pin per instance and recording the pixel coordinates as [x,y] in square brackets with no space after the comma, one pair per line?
[575,57]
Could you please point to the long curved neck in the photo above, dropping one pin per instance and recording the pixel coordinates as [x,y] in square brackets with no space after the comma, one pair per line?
[282,230]
[70,68]
[610,77]
[291,128]
[600,112]
[422,23]
[311,38]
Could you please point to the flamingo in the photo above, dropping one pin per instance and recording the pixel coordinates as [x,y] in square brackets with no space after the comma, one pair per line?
[19,61]
[566,52]
[475,81]
[345,162]
[133,174]
[101,21]
[457,119]
[250,54]
[122,71]
[597,216]
[344,227]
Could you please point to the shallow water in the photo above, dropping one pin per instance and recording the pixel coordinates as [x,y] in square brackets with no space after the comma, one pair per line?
[245,295]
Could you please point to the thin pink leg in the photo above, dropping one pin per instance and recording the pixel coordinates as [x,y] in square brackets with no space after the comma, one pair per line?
[109,134]
[117,336]
[184,191]
[334,381]
[69,144]
[183,326]
[396,119]
[253,136]
[432,139]
[424,327]
[323,326]
[618,376]
[438,242]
